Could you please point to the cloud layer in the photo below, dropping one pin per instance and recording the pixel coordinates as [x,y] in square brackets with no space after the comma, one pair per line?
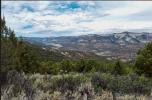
[60,18]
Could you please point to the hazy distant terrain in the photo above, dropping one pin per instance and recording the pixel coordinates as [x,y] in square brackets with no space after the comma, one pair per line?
[110,46]
[76,50]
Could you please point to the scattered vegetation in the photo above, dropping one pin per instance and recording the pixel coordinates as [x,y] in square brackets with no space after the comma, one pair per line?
[65,78]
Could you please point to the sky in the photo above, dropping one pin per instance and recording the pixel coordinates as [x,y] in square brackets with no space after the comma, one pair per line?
[72,18]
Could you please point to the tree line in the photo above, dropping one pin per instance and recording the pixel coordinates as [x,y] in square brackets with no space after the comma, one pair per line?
[19,55]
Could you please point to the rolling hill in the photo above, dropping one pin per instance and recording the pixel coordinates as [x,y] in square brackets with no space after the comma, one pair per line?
[110,46]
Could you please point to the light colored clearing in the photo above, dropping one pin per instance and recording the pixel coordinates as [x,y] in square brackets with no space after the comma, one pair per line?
[102,53]
[56,45]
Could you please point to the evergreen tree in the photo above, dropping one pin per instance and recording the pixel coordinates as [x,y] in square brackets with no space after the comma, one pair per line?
[143,61]
[80,65]
[15,54]
[118,69]
[91,65]
[66,65]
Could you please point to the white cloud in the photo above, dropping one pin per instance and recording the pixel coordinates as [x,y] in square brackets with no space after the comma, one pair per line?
[91,17]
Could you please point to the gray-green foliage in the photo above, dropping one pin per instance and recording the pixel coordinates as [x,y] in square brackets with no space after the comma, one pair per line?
[15,83]
[36,85]
[67,83]
[128,84]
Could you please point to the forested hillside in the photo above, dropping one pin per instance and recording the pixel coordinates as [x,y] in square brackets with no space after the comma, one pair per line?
[15,53]
[111,46]
[29,72]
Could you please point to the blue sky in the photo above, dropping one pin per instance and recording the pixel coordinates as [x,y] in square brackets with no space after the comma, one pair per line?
[64,18]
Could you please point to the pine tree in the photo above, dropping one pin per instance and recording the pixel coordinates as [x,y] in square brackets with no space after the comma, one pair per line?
[118,69]
[143,61]
[16,54]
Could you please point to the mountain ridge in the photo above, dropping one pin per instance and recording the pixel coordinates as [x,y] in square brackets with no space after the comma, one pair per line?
[112,46]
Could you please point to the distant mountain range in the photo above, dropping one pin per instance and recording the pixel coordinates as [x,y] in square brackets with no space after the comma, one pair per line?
[110,46]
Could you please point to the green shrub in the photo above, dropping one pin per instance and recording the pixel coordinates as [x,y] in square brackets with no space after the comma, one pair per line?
[66,83]
[129,84]
[100,81]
